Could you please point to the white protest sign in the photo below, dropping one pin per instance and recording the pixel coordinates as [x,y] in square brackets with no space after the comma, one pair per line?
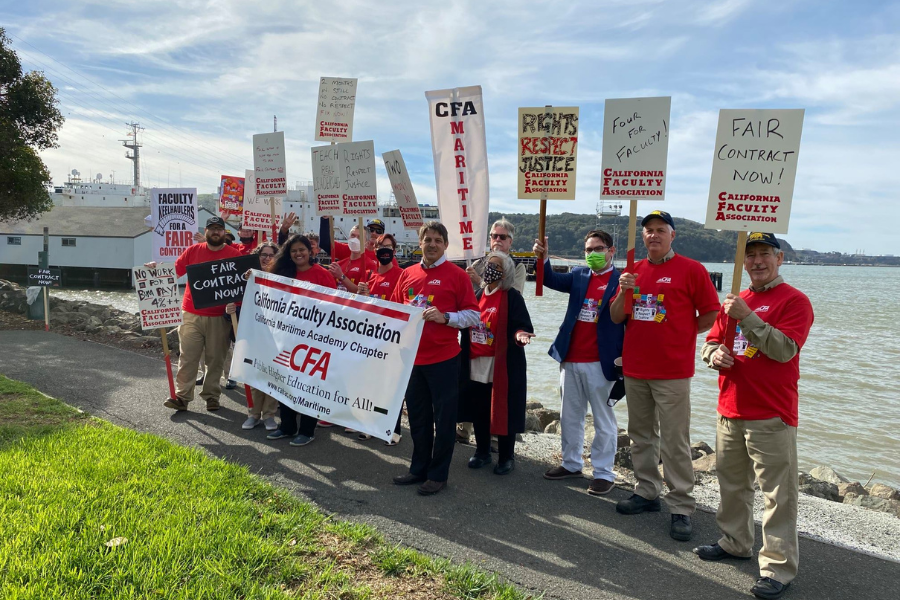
[258,209]
[319,351]
[334,116]
[635,148]
[403,190]
[459,146]
[326,180]
[548,152]
[356,161]
[159,300]
[754,167]
[269,164]
[174,212]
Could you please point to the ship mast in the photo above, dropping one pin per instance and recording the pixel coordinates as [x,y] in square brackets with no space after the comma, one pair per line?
[133,144]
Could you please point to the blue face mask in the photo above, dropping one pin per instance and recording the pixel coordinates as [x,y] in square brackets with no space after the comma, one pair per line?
[596,261]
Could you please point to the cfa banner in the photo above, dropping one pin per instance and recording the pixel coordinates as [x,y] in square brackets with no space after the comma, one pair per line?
[334,115]
[460,168]
[174,216]
[269,164]
[326,180]
[332,355]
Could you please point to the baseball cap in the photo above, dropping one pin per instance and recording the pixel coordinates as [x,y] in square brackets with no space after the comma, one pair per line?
[375,224]
[658,214]
[215,221]
[757,237]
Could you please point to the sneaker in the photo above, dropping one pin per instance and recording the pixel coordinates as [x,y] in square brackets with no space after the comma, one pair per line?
[325,424]
[561,473]
[251,422]
[230,384]
[277,435]
[681,528]
[212,405]
[270,424]
[395,439]
[637,504]
[600,487]
[176,403]
[301,440]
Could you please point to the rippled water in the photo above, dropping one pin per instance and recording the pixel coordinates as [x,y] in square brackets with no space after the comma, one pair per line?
[849,398]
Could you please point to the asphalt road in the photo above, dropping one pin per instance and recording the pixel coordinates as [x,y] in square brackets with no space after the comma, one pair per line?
[543,536]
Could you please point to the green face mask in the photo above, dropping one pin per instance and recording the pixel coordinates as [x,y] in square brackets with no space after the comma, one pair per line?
[596,261]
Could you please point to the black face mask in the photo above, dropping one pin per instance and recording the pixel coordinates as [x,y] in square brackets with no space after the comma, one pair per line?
[246,240]
[384,255]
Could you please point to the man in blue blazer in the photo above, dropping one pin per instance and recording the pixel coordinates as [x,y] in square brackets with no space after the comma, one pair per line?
[587,345]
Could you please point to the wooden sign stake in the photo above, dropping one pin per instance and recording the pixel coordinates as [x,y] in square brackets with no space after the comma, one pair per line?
[632,234]
[542,230]
[168,359]
[731,327]
[46,309]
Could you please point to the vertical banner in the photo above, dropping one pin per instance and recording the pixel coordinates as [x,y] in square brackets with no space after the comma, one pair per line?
[326,180]
[356,162]
[460,168]
[269,164]
[403,190]
[231,198]
[334,116]
[174,212]
[319,351]
[159,300]
[548,143]
[754,167]
[635,148]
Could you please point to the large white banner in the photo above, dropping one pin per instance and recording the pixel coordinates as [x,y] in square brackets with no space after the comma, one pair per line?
[269,164]
[460,168]
[635,148]
[548,152]
[754,167]
[326,180]
[334,116]
[174,217]
[258,209]
[356,161]
[403,190]
[332,355]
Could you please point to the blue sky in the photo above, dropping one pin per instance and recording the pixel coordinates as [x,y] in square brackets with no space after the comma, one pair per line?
[204,76]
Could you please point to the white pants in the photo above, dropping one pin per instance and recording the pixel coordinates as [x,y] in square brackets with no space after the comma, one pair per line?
[580,385]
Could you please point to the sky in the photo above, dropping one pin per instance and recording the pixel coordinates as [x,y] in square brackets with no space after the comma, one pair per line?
[203,76]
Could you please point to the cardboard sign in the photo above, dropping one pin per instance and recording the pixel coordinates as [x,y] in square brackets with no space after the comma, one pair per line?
[43,277]
[319,351]
[257,214]
[218,282]
[356,162]
[231,198]
[174,215]
[547,152]
[159,300]
[635,148]
[326,180]
[334,116]
[403,190]
[754,168]
[269,164]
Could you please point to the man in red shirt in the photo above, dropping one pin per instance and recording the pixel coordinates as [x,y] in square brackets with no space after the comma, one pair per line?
[445,292]
[756,432]
[674,300]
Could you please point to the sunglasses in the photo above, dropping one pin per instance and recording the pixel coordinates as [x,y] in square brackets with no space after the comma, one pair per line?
[499,236]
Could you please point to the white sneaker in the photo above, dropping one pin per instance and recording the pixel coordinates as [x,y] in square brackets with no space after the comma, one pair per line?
[395,439]
[251,422]
[270,423]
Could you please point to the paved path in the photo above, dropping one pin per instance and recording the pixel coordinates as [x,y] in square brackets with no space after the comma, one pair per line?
[541,535]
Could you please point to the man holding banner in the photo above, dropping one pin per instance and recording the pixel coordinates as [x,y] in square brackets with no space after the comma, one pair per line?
[445,292]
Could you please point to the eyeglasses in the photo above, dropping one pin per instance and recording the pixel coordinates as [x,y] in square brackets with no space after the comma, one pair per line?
[499,236]
[597,249]
[266,255]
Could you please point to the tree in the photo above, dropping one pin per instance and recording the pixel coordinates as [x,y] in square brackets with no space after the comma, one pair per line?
[29,119]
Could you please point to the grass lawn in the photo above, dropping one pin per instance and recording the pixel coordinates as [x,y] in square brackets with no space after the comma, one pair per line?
[91,510]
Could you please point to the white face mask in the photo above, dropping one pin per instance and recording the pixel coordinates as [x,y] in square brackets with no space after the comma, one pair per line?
[353,244]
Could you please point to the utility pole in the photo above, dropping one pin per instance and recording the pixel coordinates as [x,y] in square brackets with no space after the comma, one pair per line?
[133,144]
[275,129]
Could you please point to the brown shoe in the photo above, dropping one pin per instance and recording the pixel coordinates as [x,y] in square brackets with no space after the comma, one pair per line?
[176,403]
[561,473]
[212,405]
[430,488]
[408,479]
[600,487]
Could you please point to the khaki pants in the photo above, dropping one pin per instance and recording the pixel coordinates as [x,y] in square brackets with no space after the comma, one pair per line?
[197,335]
[264,405]
[659,424]
[767,451]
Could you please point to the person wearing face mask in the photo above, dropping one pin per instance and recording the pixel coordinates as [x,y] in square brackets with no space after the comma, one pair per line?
[248,241]
[502,233]
[587,347]
[357,267]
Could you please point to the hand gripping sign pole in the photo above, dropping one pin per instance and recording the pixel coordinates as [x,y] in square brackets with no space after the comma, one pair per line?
[731,327]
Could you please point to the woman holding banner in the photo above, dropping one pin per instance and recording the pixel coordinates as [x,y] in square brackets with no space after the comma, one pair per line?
[293,260]
[492,367]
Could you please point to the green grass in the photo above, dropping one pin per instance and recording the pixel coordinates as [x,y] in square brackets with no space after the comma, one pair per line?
[196,527]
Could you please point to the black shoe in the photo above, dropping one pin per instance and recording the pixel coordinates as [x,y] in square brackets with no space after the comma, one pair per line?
[715,552]
[230,384]
[681,529]
[408,479]
[636,505]
[505,467]
[768,588]
[199,380]
[430,488]
[479,460]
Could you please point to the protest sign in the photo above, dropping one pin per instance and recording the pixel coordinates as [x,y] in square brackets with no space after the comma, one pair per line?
[754,167]
[326,180]
[334,116]
[269,164]
[43,277]
[403,190]
[174,212]
[159,300]
[218,282]
[319,351]
[356,161]
[259,214]
[231,198]
[548,143]
[460,168]
[635,148]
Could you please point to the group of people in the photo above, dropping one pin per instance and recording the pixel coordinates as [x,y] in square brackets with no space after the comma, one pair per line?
[630,334]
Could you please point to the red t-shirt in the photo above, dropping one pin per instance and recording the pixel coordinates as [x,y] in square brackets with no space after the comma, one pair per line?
[583,346]
[449,289]
[196,254]
[757,387]
[317,274]
[481,337]
[661,333]
[359,269]
[381,285]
